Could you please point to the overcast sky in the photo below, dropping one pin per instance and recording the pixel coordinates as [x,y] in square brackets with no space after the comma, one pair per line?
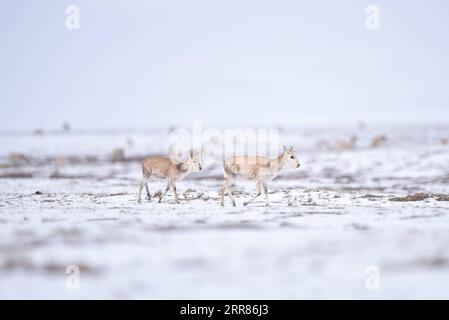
[163,63]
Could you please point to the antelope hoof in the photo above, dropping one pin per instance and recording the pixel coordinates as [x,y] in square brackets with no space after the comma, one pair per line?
[245,204]
[267,205]
[160,200]
[139,201]
[233,204]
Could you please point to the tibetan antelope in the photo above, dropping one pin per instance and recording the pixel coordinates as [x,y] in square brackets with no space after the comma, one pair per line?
[379,141]
[258,169]
[165,168]
[342,145]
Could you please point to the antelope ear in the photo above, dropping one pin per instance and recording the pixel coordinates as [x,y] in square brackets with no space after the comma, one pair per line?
[191,153]
[291,149]
[285,148]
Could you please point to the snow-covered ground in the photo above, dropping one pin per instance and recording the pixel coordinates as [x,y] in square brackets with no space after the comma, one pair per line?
[332,230]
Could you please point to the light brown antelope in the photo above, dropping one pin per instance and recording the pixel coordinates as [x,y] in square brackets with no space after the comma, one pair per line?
[162,167]
[342,145]
[379,141]
[255,168]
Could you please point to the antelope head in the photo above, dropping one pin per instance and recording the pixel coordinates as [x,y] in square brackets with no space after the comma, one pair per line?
[291,160]
[192,163]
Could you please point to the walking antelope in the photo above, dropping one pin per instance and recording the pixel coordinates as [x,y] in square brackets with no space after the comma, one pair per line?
[259,169]
[163,167]
[343,145]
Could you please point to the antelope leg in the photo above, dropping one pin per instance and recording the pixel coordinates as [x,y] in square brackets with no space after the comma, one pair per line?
[166,190]
[143,183]
[265,190]
[228,187]
[174,191]
[256,196]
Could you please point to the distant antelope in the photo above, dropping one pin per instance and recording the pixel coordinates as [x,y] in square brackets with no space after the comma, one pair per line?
[163,167]
[379,141]
[342,145]
[255,168]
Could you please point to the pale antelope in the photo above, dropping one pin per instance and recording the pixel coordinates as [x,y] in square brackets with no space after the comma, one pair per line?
[379,141]
[165,168]
[255,168]
[342,145]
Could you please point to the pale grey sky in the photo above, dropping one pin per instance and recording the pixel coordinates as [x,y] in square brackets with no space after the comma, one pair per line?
[145,63]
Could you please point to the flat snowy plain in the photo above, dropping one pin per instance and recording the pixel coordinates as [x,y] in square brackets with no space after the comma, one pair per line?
[332,230]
